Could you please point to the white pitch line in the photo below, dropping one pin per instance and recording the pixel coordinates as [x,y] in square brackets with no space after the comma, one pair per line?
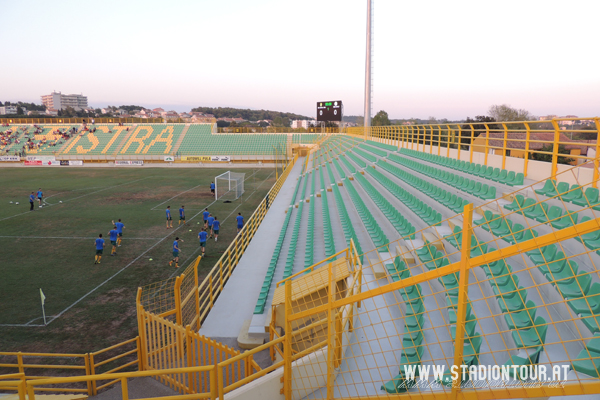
[74,237]
[122,269]
[179,194]
[50,204]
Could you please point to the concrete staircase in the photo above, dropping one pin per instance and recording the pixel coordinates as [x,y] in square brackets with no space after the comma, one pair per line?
[180,140]
[125,139]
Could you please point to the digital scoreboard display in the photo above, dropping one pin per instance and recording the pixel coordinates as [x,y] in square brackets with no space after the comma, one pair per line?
[329,110]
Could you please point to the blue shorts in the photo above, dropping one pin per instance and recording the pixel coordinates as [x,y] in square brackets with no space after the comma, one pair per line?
[240,226]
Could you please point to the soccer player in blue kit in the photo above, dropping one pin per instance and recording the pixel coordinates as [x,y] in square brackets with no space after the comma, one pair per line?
[176,252]
[99,243]
[240,222]
[202,237]
[216,225]
[120,227]
[113,235]
[169,219]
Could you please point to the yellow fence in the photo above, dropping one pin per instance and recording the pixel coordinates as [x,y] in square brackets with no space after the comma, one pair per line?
[60,120]
[513,145]
[109,360]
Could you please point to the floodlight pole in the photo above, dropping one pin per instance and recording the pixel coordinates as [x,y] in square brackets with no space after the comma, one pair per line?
[368,71]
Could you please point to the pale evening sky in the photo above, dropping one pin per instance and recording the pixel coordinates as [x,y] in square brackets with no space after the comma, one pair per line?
[448,59]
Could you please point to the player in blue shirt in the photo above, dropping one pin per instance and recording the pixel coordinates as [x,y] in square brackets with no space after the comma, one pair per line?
[181,216]
[31,201]
[169,219]
[202,237]
[211,219]
[99,243]
[212,187]
[240,222]
[215,226]
[40,196]
[113,235]
[120,227]
[176,252]
[205,215]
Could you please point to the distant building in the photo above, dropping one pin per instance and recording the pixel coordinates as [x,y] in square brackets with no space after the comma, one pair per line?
[8,110]
[59,101]
[302,123]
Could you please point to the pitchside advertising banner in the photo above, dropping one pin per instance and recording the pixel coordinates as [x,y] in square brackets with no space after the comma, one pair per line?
[10,158]
[169,158]
[71,163]
[129,163]
[206,158]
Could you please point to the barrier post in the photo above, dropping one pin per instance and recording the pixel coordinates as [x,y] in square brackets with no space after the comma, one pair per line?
[124,389]
[20,363]
[463,288]
[596,166]
[86,358]
[459,142]
[504,145]
[472,140]
[555,148]
[197,289]
[330,333]
[527,138]
[178,298]
[487,144]
[287,343]
[93,372]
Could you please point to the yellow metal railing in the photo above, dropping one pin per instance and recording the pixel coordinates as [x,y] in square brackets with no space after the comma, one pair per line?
[510,145]
[111,359]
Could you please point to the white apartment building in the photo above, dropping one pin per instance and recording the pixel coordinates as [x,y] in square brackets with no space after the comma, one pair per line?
[302,123]
[59,101]
[8,110]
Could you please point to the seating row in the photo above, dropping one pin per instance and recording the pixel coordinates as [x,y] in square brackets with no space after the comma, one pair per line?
[289,262]
[375,232]
[395,217]
[347,227]
[310,233]
[412,334]
[327,231]
[504,176]
[266,286]
[575,194]
[364,154]
[426,213]
[483,191]
[373,150]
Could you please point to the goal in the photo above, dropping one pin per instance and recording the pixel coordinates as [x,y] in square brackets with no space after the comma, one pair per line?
[229,186]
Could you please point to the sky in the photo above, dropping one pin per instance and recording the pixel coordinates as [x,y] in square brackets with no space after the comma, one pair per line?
[446,59]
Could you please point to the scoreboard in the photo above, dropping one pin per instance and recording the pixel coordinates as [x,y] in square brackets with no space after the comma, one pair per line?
[329,110]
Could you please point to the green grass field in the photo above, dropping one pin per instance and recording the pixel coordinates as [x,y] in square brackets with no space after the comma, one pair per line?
[52,248]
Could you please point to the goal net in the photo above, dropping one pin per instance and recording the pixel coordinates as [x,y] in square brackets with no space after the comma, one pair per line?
[229,185]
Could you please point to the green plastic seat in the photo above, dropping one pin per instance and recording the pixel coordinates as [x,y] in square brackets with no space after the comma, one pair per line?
[528,204]
[589,200]
[590,303]
[553,213]
[540,210]
[575,287]
[521,319]
[574,194]
[532,337]
[516,204]
[565,222]
[547,254]
[549,186]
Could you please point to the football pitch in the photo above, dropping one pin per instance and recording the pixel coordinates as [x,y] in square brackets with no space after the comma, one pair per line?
[52,248]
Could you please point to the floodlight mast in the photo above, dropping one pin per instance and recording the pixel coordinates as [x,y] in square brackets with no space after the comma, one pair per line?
[368,71]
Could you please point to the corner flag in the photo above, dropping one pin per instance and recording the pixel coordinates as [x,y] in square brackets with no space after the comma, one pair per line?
[43,297]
